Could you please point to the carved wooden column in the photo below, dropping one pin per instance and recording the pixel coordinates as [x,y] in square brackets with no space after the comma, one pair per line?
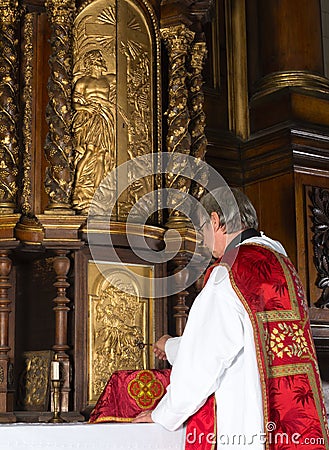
[6,368]
[177,39]
[61,266]
[181,275]
[59,146]
[9,17]
[290,47]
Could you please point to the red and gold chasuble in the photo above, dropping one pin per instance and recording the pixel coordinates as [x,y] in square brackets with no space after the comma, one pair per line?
[269,287]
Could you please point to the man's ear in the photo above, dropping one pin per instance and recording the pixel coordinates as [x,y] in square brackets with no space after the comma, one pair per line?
[215,221]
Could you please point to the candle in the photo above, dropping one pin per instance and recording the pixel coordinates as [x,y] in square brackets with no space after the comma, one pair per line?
[54,372]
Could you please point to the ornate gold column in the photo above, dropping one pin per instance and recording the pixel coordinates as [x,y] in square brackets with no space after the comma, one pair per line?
[9,19]
[59,146]
[61,266]
[6,368]
[177,39]
[197,114]
[26,194]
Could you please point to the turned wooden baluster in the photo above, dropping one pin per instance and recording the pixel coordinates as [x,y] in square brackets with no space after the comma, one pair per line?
[181,276]
[6,397]
[61,266]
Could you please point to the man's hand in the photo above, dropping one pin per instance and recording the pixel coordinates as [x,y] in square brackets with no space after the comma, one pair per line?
[159,347]
[144,416]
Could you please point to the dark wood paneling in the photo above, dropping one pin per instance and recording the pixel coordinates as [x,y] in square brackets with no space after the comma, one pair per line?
[290,35]
[275,204]
[289,105]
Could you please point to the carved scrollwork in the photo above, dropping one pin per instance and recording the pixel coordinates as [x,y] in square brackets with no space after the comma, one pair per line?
[320,228]
[26,196]
[9,18]
[197,114]
[59,147]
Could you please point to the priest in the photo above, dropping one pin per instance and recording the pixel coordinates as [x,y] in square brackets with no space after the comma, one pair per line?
[244,372]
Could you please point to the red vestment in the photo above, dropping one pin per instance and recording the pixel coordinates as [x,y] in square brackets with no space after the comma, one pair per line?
[269,287]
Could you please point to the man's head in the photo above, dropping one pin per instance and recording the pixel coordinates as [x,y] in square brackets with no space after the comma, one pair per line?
[93,59]
[230,212]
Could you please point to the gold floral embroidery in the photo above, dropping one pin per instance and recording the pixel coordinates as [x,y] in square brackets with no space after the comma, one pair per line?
[145,389]
[286,340]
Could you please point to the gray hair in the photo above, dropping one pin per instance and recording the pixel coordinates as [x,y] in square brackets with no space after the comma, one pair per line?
[234,209]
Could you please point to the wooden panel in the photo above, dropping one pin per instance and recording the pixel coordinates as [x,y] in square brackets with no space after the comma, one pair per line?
[274,201]
[223,154]
[290,35]
[288,104]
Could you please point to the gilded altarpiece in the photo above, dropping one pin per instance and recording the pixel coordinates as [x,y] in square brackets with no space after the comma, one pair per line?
[114,81]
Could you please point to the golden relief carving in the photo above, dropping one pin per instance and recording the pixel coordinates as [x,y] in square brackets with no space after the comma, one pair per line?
[139,109]
[94,127]
[26,200]
[113,121]
[58,146]
[34,385]
[9,11]
[9,16]
[118,330]
[177,40]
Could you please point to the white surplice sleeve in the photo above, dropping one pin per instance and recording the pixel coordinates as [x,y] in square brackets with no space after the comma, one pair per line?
[171,349]
[212,340]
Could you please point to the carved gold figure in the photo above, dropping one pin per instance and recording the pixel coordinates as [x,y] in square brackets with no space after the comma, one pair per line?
[94,122]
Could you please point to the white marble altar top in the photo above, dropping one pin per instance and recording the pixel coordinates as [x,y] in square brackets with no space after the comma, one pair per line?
[84,436]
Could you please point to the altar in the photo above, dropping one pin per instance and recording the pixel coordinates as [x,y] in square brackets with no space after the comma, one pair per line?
[85,436]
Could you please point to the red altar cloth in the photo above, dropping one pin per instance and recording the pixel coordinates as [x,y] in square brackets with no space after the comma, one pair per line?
[129,392]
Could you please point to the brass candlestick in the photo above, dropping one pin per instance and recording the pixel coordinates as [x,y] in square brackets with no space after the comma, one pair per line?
[56,392]
[56,401]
